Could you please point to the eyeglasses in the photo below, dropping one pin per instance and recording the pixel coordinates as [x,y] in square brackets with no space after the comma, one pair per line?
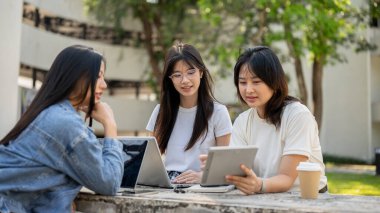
[178,77]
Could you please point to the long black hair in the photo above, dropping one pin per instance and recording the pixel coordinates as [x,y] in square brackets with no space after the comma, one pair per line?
[264,63]
[75,66]
[170,97]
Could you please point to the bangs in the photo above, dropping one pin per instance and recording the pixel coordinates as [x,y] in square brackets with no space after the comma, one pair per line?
[177,59]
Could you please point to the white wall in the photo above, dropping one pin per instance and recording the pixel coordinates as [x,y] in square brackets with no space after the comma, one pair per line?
[10,26]
[346,121]
[375,92]
[375,78]
[346,126]
[224,90]
[130,114]
[39,48]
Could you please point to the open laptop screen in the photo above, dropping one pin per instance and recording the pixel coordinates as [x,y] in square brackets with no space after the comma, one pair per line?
[145,163]
[135,150]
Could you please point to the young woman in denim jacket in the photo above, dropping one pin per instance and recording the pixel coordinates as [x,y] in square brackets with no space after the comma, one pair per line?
[51,153]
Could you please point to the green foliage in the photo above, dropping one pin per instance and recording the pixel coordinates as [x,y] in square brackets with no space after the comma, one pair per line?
[163,23]
[318,27]
[375,8]
[232,25]
[342,160]
[353,184]
[222,28]
[166,17]
[115,10]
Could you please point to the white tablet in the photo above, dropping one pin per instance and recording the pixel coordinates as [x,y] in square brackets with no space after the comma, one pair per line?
[224,160]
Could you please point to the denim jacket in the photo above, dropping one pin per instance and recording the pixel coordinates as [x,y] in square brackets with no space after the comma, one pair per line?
[43,169]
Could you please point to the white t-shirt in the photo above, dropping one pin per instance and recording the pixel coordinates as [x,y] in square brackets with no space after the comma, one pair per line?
[298,134]
[176,158]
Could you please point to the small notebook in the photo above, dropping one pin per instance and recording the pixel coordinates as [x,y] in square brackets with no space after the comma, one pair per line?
[210,189]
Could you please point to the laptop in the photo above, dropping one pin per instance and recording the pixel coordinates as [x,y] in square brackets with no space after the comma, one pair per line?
[145,167]
[135,150]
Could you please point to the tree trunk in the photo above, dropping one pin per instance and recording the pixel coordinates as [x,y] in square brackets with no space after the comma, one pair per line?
[297,63]
[149,46]
[257,38]
[317,89]
[300,79]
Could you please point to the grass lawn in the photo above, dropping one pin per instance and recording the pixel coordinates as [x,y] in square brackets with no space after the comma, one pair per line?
[353,184]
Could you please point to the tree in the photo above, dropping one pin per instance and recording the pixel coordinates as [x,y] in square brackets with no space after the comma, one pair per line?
[315,27]
[162,23]
[253,23]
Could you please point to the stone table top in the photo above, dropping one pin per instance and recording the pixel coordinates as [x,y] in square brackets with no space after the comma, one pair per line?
[168,201]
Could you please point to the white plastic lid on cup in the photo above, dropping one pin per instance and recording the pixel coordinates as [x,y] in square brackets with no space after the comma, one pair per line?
[307,166]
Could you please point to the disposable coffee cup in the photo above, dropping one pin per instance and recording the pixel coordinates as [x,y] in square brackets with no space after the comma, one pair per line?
[309,176]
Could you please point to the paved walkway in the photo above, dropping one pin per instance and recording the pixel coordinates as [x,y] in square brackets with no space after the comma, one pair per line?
[351,168]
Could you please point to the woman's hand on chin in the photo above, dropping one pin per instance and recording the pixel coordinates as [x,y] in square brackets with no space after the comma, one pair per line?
[103,114]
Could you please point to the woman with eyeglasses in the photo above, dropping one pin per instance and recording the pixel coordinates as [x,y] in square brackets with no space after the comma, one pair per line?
[188,120]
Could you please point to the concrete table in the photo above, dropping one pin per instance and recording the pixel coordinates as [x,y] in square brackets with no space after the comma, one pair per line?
[234,201]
